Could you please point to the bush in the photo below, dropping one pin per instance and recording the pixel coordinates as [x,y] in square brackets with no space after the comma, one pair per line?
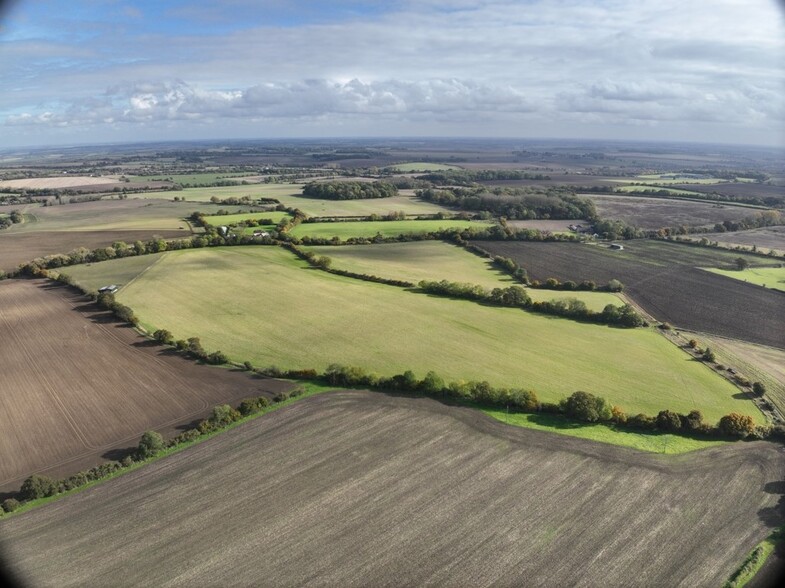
[736,425]
[587,407]
[38,487]
[223,415]
[163,336]
[217,358]
[641,421]
[150,444]
[708,355]
[668,420]
[11,504]
[252,405]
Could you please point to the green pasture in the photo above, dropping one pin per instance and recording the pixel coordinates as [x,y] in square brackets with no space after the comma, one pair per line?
[674,191]
[202,178]
[769,277]
[120,272]
[266,306]
[230,219]
[436,260]
[421,166]
[663,179]
[654,442]
[345,230]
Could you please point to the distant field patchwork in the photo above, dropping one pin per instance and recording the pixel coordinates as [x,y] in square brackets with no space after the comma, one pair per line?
[437,260]
[345,230]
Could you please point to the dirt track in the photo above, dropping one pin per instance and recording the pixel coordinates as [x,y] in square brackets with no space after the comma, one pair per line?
[77,386]
[362,489]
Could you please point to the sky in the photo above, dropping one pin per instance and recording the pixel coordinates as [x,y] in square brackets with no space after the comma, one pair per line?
[94,71]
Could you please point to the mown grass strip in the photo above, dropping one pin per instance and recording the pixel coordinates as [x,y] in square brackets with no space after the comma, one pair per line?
[653,442]
[755,560]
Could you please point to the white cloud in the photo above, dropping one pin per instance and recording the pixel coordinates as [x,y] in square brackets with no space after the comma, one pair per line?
[449,61]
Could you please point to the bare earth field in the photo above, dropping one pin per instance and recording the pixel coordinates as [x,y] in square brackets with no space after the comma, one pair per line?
[18,248]
[654,213]
[60,182]
[663,279]
[362,489]
[763,238]
[77,385]
[555,226]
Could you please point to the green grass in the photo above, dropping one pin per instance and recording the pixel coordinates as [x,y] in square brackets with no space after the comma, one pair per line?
[661,179]
[120,272]
[203,178]
[770,277]
[421,166]
[754,561]
[264,305]
[674,191]
[231,219]
[665,443]
[345,230]
[437,260]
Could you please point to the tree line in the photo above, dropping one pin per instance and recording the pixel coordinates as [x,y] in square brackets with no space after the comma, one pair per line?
[349,190]
[514,203]
[466,177]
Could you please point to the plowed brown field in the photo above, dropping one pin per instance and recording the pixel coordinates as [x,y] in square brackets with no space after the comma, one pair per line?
[76,384]
[361,489]
[665,280]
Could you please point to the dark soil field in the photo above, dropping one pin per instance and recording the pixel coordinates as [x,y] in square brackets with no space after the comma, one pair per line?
[655,213]
[18,248]
[77,386]
[363,489]
[664,279]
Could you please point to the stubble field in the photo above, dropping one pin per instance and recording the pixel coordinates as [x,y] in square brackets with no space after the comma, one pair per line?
[354,488]
[77,384]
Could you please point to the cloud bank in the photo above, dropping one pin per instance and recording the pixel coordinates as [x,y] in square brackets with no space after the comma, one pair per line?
[710,70]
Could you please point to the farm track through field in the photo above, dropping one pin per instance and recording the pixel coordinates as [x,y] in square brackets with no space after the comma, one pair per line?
[358,488]
[679,293]
[78,386]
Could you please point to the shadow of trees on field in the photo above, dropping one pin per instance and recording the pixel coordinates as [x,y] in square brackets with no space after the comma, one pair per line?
[774,516]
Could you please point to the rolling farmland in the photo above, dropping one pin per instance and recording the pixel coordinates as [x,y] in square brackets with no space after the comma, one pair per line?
[437,260]
[663,278]
[76,384]
[345,230]
[312,319]
[355,488]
